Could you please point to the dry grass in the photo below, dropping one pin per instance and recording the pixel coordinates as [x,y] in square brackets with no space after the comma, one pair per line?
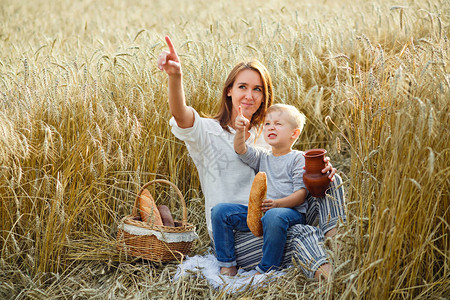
[84,123]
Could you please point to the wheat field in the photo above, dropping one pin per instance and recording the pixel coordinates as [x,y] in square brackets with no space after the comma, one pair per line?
[84,124]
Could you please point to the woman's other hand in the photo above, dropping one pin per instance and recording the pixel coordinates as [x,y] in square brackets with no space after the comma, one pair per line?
[169,61]
[329,168]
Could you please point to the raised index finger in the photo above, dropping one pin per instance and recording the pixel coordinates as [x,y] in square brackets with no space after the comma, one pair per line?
[171,47]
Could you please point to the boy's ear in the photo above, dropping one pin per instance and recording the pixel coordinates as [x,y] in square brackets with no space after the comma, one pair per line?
[296,133]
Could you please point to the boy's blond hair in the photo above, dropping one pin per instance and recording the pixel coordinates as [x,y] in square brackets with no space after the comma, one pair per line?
[295,118]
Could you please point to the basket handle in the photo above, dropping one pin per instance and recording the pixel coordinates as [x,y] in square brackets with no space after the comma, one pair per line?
[135,212]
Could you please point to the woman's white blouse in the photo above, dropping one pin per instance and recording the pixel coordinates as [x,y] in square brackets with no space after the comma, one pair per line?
[223,176]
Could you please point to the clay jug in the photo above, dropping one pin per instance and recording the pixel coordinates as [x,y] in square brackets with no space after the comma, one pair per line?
[315,181]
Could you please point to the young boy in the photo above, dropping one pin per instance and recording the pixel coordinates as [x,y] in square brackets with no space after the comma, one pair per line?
[285,204]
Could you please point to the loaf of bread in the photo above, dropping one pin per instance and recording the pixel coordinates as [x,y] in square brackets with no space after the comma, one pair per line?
[148,210]
[166,216]
[257,196]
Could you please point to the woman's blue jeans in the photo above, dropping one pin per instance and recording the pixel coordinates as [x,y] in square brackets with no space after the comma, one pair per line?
[228,217]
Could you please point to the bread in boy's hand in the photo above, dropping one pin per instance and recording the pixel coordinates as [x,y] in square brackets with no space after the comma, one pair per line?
[166,216]
[148,210]
[257,196]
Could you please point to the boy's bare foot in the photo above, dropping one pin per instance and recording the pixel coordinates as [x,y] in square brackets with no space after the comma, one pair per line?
[231,271]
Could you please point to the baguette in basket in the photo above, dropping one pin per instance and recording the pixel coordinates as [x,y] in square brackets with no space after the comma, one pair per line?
[148,210]
[156,242]
[166,216]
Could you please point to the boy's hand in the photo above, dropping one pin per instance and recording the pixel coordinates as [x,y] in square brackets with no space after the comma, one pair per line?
[169,61]
[268,204]
[241,123]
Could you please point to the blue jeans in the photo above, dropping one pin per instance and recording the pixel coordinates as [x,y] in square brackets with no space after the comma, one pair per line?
[228,217]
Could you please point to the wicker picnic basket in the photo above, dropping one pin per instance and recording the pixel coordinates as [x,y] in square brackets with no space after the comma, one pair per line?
[157,243]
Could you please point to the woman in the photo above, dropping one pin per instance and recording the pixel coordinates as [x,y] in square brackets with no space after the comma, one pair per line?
[223,177]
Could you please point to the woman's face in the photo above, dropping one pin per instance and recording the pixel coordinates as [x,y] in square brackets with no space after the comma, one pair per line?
[248,92]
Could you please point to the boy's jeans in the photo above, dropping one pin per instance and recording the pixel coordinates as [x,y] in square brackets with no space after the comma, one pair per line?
[228,217]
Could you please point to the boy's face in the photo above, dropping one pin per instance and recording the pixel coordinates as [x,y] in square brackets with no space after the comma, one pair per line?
[278,131]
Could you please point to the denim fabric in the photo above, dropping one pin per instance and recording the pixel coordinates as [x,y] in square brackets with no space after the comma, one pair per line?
[276,222]
[227,218]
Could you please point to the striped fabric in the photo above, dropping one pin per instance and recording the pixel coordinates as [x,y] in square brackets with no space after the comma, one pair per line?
[249,249]
[327,211]
[305,241]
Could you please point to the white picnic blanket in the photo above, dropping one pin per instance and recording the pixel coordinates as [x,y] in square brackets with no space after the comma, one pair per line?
[207,267]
